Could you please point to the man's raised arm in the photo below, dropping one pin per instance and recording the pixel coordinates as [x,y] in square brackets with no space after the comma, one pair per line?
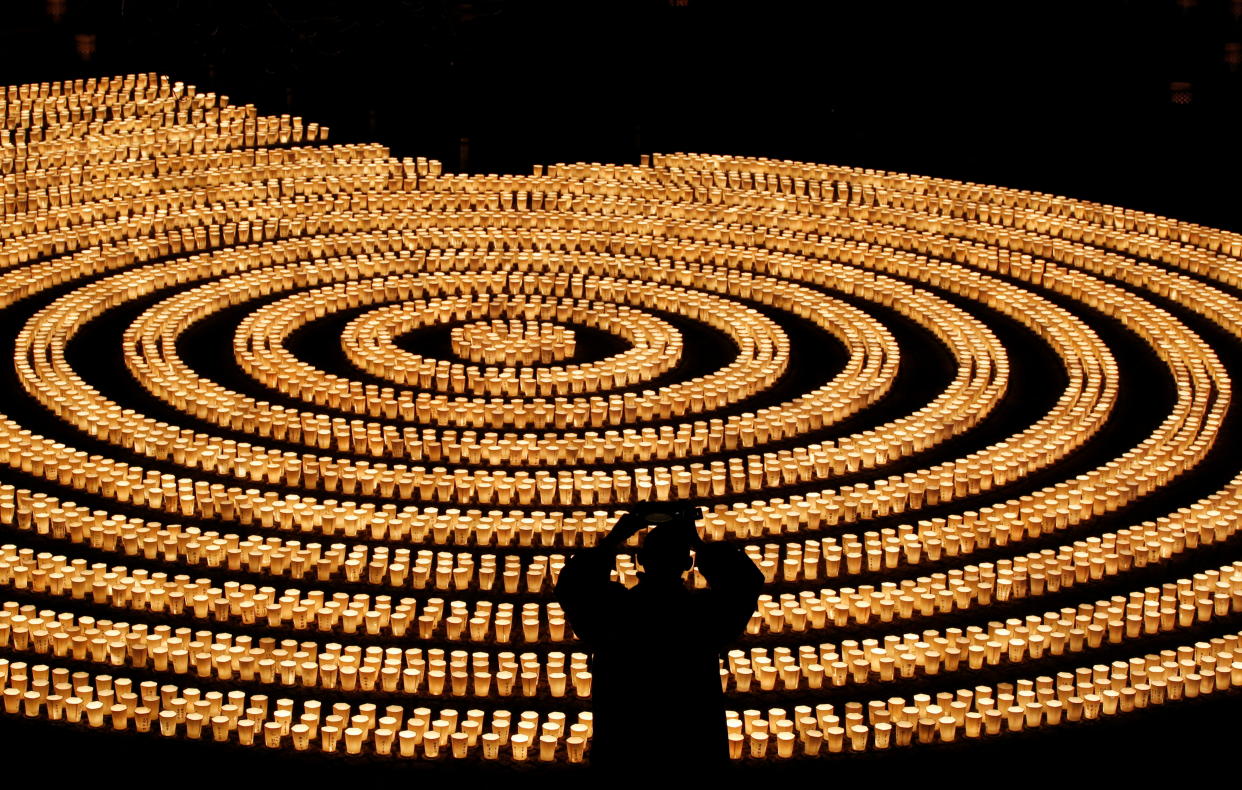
[584,587]
[734,583]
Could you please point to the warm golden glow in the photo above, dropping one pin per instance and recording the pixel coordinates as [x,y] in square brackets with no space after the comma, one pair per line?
[434,498]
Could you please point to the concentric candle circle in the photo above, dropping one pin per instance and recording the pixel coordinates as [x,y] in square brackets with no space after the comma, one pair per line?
[304,422]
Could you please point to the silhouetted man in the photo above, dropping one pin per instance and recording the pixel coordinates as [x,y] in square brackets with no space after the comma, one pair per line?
[656,691]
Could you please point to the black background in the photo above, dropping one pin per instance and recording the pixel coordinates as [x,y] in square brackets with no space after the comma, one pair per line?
[1075,98]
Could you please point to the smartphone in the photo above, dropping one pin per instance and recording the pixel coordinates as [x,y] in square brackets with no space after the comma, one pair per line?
[662,514]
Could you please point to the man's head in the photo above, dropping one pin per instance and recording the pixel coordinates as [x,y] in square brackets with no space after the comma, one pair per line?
[665,553]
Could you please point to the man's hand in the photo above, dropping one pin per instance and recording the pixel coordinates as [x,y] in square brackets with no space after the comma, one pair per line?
[635,520]
[626,527]
[696,541]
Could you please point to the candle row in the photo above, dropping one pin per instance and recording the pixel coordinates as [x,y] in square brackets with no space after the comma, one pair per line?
[477,474]
[368,342]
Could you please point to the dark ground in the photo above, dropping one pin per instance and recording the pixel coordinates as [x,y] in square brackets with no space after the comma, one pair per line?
[1075,98]
[1146,749]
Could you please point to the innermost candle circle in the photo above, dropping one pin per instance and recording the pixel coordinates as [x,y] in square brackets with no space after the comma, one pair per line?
[515,341]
